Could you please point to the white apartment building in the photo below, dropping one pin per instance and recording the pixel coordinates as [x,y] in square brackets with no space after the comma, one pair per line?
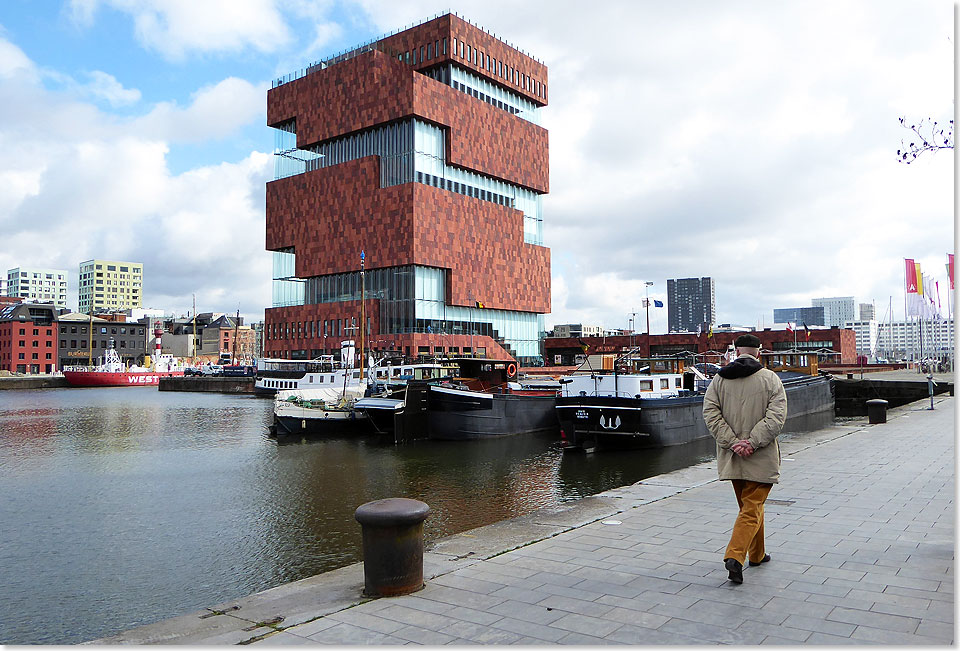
[577,330]
[836,311]
[901,339]
[38,285]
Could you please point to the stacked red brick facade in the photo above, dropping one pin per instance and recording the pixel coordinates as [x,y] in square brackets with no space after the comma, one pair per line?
[328,215]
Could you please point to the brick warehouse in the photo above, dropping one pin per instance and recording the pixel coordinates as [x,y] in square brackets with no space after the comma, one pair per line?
[423,149]
[835,345]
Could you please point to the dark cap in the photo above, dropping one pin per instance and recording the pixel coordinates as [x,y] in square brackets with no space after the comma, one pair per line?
[747,341]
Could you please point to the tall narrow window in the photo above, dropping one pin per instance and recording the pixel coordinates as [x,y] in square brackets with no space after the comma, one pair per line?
[436,48]
[454,46]
[421,54]
[429,51]
[445,45]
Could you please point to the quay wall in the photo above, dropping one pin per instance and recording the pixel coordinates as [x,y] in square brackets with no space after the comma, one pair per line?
[35,382]
[851,395]
[208,384]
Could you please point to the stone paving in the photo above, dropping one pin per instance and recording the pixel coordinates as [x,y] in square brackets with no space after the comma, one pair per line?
[860,530]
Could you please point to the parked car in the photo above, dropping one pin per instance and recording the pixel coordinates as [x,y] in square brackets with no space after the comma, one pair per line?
[211,369]
[192,370]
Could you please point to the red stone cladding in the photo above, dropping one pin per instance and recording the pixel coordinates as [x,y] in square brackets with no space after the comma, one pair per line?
[452,27]
[294,330]
[844,342]
[480,242]
[372,89]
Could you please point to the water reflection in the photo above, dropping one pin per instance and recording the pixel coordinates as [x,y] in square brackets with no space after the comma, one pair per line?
[124,506]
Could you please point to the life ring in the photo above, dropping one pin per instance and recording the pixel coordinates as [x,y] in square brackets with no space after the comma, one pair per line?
[511,370]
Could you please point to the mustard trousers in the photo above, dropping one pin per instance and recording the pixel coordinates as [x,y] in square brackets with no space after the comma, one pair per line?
[747,537]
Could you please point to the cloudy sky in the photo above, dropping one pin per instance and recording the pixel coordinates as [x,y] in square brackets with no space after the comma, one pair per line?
[754,142]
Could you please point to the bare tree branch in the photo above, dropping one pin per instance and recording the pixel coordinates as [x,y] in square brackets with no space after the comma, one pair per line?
[930,136]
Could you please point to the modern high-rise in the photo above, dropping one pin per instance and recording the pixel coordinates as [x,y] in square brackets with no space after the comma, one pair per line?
[420,156]
[691,304]
[800,315]
[837,310]
[36,285]
[110,286]
[867,312]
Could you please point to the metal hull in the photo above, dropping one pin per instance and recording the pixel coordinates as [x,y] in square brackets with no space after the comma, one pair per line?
[320,422]
[634,423]
[118,379]
[458,415]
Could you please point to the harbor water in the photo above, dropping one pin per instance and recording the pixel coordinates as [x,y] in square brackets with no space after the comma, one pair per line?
[124,506]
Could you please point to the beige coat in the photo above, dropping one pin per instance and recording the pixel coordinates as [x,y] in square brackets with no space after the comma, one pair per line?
[752,408]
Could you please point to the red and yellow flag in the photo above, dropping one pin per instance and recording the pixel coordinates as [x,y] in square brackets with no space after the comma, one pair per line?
[911,276]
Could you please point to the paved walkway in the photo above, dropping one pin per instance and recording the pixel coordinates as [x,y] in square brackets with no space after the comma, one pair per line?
[860,529]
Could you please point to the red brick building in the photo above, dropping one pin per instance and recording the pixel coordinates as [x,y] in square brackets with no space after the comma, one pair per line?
[28,340]
[423,150]
[832,345]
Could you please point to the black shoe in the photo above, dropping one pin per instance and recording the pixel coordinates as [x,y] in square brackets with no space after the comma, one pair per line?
[765,559]
[735,568]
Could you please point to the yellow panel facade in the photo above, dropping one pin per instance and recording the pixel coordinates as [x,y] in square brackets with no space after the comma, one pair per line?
[109,285]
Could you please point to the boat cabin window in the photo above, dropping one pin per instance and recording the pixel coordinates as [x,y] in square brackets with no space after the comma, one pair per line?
[677,382]
[356,374]
[646,385]
[664,383]
[396,372]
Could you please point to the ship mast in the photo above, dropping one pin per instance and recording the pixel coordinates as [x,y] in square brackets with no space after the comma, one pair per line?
[193,361]
[236,331]
[363,321]
[90,342]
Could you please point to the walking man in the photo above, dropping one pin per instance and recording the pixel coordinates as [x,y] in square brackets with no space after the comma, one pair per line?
[744,409]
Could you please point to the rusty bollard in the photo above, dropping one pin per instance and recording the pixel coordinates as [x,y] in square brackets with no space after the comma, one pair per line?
[876,411]
[392,546]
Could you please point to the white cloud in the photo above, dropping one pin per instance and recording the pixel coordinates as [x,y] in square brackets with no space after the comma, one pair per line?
[106,86]
[215,112]
[177,28]
[88,184]
[13,61]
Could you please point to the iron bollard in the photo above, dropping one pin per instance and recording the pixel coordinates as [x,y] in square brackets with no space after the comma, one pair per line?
[392,546]
[877,411]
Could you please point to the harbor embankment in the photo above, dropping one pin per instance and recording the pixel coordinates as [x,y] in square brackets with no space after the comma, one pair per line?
[860,530]
[207,384]
[853,389]
[33,382]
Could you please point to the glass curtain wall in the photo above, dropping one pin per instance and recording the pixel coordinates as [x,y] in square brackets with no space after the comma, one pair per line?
[287,288]
[411,299]
[476,86]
